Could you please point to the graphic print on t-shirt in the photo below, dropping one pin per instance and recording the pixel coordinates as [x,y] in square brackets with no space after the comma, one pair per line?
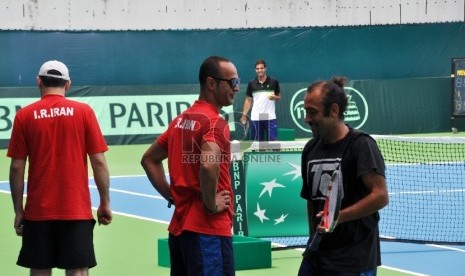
[320,171]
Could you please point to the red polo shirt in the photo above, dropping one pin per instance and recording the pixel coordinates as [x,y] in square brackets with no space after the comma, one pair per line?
[183,140]
[56,134]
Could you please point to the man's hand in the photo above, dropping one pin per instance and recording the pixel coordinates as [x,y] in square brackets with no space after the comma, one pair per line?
[223,202]
[243,119]
[18,224]
[320,227]
[104,215]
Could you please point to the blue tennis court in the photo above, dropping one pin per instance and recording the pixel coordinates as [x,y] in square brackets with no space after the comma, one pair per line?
[427,202]
[135,196]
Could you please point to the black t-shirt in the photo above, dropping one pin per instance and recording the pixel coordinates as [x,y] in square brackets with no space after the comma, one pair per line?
[353,246]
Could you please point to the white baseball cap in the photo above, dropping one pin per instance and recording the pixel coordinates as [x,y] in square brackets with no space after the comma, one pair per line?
[54,69]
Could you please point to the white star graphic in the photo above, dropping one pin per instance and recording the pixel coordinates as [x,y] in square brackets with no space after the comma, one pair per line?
[280,219]
[269,186]
[260,213]
[297,172]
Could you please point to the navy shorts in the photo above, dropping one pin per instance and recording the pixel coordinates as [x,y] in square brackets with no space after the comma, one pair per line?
[65,244]
[194,254]
[264,130]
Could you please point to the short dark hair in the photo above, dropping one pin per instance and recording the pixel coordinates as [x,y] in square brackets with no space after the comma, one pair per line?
[53,82]
[210,68]
[260,61]
[333,91]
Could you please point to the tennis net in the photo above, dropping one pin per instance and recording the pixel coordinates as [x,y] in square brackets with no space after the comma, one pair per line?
[425,178]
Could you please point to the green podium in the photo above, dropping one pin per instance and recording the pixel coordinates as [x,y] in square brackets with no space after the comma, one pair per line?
[249,253]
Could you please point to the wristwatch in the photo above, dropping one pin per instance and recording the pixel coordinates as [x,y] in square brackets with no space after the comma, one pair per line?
[210,211]
[170,201]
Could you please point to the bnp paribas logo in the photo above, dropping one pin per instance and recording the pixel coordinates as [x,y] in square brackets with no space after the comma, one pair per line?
[356,114]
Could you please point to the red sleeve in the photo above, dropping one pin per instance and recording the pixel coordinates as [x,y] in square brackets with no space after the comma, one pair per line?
[163,138]
[218,133]
[95,141]
[17,147]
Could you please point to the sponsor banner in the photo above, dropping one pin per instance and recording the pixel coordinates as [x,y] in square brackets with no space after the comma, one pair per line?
[239,189]
[356,114]
[274,205]
[8,109]
[137,114]
[120,115]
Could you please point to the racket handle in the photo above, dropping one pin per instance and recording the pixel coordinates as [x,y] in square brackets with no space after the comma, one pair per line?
[324,219]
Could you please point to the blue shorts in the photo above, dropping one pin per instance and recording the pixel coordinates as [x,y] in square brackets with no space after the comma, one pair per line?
[65,244]
[195,254]
[264,130]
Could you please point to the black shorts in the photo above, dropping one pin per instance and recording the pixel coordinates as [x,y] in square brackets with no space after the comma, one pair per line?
[65,244]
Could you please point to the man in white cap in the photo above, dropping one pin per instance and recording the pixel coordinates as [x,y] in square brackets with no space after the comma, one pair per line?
[56,135]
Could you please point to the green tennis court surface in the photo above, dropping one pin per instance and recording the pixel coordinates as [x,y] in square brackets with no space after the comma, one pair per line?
[128,245]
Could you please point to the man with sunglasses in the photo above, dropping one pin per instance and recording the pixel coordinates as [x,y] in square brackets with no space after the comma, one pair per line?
[262,93]
[197,146]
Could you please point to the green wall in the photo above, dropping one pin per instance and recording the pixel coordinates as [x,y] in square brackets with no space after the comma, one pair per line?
[138,114]
[293,54]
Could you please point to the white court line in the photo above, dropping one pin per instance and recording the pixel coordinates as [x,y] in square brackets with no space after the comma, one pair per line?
[452,191]
[446,247]
[413,192]
[403,271]
[137,217]
[429,192]
[130,193]
[385,267]
[91,177]
[111,190]
[125,176]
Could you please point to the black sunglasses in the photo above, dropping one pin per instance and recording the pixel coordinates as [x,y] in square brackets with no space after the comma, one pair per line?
[232,82]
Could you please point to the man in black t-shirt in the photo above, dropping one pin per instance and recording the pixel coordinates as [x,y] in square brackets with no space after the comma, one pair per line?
[353,247]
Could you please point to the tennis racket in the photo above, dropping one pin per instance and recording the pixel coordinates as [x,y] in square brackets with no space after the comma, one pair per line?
[332,205]
[246,128]
[332,202]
